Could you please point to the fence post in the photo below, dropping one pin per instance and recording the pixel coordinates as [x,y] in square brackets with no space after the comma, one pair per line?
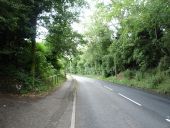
[52,80]
[57,78]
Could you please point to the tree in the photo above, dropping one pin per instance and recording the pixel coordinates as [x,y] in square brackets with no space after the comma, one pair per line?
[137,35]
[18,18]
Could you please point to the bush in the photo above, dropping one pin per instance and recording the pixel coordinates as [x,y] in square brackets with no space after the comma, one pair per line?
[129,74]
[167,72]
[164,63]
[25,80]
[156,80]
[139,76]
[107,73]
[44,68]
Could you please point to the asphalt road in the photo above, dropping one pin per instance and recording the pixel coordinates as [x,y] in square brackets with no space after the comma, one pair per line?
[86,103]
[101,104]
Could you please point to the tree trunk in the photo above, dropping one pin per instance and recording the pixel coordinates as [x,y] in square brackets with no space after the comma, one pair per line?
[33,48]
[115,65]
[33,61]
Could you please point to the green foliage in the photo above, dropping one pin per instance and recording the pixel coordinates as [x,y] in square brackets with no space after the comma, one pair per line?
[42,47]
[150,81]
[164,63]
[25,80]
[156,80]
[164,87]
[21,58]
[44,68]
[139,75]
[129,74]
[128,35]
[167,72]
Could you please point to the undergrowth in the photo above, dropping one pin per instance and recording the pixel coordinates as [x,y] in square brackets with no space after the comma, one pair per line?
[154,81]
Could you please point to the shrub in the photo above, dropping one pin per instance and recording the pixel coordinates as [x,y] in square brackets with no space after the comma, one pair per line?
[167,72]
[43,67]
[107,73]
[25,79]
[139,76]
[164,63]
[129,74]
[156,80]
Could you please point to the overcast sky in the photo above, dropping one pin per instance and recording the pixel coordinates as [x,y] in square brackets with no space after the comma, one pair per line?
[85,17]
[86,13]
[79,27]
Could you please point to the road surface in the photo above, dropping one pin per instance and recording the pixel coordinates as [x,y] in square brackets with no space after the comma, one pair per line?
[103,105]
[87,103]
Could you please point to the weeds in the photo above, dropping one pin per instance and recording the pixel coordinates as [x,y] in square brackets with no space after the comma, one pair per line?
[139,76]
[129,74]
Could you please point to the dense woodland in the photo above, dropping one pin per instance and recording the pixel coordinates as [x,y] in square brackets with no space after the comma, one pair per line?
[26,65]
[131,39]
[125,39]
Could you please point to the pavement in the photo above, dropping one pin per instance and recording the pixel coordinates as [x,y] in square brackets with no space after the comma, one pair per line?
[52,111]
[87,103]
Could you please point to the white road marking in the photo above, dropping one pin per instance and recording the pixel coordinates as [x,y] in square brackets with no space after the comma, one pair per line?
[130,99]
[108,88]
[73,116]
[168,120]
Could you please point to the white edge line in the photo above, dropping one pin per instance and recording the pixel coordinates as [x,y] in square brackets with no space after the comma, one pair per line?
[130,99]
[108,88]
[168,120]
[73,116]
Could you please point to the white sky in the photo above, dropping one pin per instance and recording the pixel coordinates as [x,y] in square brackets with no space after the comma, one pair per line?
[41,33]
[83,20]
[86,15]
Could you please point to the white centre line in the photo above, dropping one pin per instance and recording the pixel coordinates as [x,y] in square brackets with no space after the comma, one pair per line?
[130,99]
[73,116]
[108,88]
[168,120]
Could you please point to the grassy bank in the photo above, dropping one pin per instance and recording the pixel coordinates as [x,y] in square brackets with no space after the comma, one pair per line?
[41,87]
[45,87]
[151,81]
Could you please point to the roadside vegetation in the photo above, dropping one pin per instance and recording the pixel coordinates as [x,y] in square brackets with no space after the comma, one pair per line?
[30,66]
[125,41]
[158,83]
[128,43]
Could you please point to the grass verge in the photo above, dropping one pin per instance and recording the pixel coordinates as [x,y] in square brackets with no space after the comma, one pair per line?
[152,82]
[43,89]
